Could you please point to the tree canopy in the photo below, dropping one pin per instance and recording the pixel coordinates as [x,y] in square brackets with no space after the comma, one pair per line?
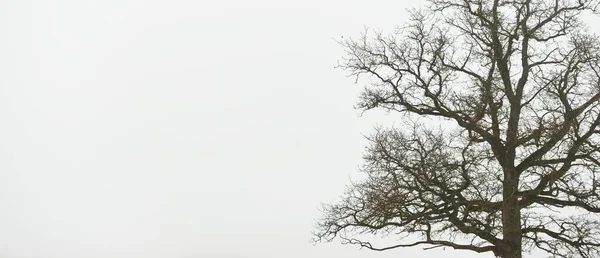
[518,170]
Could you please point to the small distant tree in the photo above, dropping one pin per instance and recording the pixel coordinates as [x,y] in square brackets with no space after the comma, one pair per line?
[516,166]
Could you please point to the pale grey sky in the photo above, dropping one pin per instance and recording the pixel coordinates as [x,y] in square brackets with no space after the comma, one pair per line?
[147,128]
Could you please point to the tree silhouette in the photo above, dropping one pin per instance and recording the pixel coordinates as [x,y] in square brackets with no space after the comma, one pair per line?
[516,166]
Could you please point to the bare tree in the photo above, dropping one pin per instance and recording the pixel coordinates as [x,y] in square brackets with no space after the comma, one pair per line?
[519,167]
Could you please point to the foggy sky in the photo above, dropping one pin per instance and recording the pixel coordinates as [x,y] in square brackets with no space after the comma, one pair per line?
[132,128]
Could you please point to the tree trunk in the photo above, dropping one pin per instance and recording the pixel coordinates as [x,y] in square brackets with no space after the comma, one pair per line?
[511,217]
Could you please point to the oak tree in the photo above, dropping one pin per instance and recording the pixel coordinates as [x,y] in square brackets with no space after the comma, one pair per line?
[516,166]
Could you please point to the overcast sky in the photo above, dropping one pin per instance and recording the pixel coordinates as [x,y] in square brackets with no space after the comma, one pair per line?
[160,129]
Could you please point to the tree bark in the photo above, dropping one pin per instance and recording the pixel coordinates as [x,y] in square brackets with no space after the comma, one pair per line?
[511,217]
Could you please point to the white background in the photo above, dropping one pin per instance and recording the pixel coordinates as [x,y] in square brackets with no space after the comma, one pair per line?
[132,128]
